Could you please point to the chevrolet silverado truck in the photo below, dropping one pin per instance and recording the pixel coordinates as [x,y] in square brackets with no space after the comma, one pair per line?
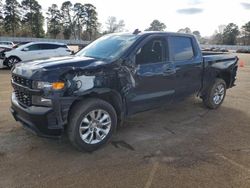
[88,95]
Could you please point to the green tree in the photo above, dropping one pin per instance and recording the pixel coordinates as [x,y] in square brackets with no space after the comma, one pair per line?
[90,20]
[217,38]
[1,10]
[246,33]
[33,18]
[114,26]
[79,16]
[156,25]
[12,16]
[54,20]
[185,30]
[230,34]
[67,20]
[197,34]
[1,18]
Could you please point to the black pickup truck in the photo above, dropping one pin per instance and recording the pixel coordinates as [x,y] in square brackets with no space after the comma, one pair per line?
[89,94]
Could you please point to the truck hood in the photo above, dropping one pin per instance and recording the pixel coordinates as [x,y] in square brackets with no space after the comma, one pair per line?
[59,64]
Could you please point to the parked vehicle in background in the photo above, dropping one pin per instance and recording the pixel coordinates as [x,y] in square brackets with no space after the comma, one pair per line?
[215,49]
[89,94]
[224,50]
[243,51]
[35,51]
[2,55]
[6,44]
[205,49]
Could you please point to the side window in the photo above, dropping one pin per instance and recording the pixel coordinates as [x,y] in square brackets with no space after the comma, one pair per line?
[181,48]
[33,47]
[154,51]
[48,46]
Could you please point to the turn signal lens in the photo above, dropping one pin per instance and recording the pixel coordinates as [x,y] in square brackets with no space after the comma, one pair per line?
[58,85]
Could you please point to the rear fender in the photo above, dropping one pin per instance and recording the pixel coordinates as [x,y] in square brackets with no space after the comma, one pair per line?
[225,69]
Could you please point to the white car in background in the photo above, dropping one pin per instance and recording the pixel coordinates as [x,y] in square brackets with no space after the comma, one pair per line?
[35,51]
[6,44]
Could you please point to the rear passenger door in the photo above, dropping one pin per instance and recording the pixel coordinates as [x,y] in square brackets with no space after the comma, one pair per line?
[188,65]
[154,76]
[48,50]
[55,50]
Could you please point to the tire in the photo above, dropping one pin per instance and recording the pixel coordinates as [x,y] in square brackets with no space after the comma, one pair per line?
[80,129]
[215,94]
[12,61]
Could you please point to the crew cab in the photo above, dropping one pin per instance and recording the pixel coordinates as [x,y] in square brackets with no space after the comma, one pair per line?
[90,94]
[34,51]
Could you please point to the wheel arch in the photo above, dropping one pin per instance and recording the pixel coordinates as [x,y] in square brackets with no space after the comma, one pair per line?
[108,95]
[15,56]
[226,76]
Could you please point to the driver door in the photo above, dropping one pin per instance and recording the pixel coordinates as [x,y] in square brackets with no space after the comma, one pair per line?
[32,52]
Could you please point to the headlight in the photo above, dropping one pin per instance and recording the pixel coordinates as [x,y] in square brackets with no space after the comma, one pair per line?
[43,85]
[47,85]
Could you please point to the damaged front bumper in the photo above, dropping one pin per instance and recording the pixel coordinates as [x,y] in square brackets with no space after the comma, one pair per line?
[40,120]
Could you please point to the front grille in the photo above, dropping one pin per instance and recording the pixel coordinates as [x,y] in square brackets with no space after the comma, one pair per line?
[23,97]
[22,94]
[22,81]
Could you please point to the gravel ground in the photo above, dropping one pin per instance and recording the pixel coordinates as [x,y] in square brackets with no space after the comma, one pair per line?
[185,145]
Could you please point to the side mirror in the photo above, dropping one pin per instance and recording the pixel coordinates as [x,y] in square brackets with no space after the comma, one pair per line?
[25,49]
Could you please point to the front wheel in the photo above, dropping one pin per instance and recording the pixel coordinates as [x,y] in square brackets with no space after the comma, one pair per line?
[11,61]
[215,95]
[91,124]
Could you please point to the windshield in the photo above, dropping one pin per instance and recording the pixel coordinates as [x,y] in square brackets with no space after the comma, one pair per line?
[108,47]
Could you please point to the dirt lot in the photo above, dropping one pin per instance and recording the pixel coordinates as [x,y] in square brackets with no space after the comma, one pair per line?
[182,146]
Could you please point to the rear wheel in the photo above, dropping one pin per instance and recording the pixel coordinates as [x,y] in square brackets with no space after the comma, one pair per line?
[215,95]
[92,123]
[12,61]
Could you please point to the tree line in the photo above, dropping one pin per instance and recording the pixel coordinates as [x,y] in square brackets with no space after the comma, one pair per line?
[26,19]
[21,19]
[231,34]
[69,21]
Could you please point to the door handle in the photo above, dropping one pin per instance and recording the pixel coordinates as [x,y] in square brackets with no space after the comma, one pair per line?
[169,69]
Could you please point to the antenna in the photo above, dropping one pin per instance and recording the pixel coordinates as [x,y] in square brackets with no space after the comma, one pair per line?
[136,32]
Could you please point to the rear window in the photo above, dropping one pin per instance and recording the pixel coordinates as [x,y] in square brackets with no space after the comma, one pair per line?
[182,48]
[52,46]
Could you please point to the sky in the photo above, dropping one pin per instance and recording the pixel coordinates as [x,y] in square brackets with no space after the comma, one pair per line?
[202,15]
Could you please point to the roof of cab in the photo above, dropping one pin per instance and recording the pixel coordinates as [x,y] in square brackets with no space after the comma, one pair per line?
[148,33]
[165,33]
